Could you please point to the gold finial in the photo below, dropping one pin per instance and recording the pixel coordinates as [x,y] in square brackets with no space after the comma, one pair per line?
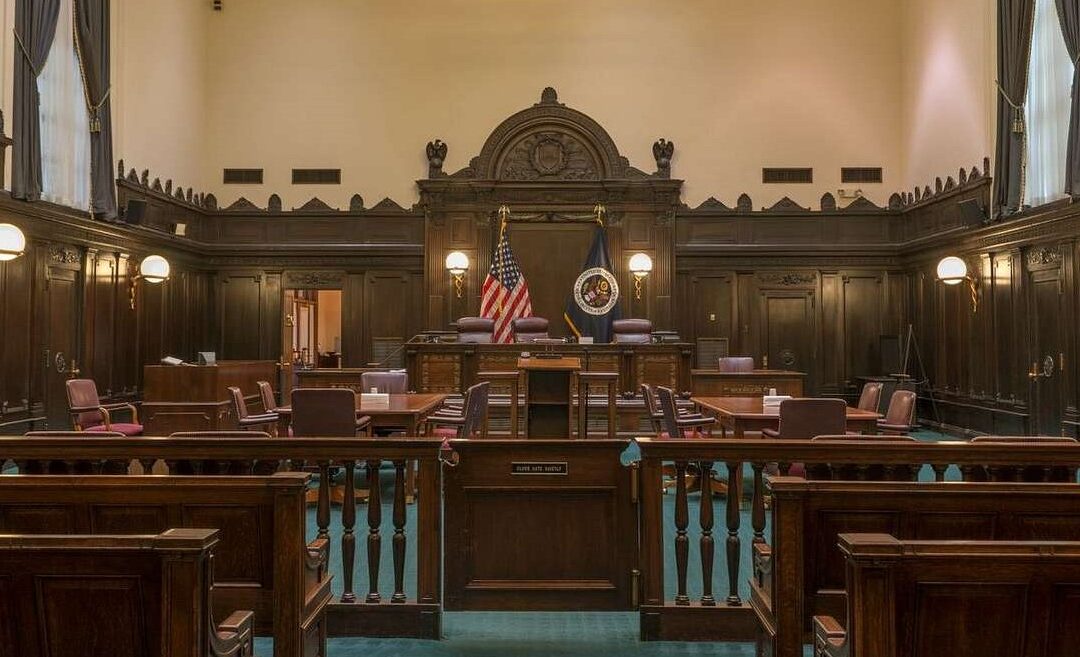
[600,211]
[504,213]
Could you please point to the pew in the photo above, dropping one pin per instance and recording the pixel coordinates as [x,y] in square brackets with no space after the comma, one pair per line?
[115,596]
[261,563]
[801,573]
[955,599]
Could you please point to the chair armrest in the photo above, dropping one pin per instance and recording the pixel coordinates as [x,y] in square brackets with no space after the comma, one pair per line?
[317,555]
[771,433]
[696,421]
[894,427]
[364,423]
[829,637]
[233,636]
[452,420]
[762,564]
[124,405]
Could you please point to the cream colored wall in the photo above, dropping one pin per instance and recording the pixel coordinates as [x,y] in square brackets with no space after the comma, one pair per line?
[949,66]
[737,85]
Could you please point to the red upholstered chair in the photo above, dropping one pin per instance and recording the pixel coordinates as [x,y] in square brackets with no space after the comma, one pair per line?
[468,421]
[677,425]
[803,419]
[736,364]
[870,398]
[632,331]
[391,383]
[89,414]
[530,329]
[900,416]
[266,394]
[326,413]
[478,330]
[244,419]
[655,413]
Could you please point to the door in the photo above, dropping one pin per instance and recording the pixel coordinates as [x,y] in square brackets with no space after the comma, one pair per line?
[1046,350]
[60,331]
[788,329]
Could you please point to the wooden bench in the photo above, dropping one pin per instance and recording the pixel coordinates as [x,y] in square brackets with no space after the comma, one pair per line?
[262,562]
[801,574]
[114,596]
[955,599]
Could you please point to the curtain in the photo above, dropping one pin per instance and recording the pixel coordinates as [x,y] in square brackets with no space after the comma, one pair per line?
[1050,77]
[65,132]
[92,43]
[1014,44]
[35,26]
[1069,14]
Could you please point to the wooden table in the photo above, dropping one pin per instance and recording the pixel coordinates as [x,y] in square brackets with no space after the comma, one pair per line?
[407,411]
[742,414]
[714,383]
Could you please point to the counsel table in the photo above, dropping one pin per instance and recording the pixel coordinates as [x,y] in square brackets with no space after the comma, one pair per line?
[407,411]
[742,414]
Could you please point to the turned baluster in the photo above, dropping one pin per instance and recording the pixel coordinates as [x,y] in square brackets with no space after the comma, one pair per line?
[682,541]
[348,538]
[757,512]
[399,533]
[706,543]
[374,541]
[733,543]
[322,512]
[939,471]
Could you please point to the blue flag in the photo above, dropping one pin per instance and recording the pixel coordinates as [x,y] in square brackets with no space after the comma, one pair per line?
[593,303]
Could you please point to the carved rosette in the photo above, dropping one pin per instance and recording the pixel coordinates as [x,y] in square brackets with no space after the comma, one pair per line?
[549,155]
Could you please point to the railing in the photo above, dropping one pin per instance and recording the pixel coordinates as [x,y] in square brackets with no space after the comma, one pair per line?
[679,616]
[377,613]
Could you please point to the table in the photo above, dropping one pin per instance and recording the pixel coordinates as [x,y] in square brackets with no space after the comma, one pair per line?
[714,383]
[548,398]
[407,411]
[742,414]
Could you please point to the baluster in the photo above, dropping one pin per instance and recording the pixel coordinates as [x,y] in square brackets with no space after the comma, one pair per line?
[374,520]
[939,471]
[682,541]
[399,532]
[322,512]
[757,513]
[967,472]
[147,466]
[706,543]
[733,520]
[348,538]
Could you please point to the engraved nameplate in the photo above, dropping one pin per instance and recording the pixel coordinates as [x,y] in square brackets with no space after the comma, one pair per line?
[539,468]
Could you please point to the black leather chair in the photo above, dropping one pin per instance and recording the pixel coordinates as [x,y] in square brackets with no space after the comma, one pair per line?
[530,329]
[478,330]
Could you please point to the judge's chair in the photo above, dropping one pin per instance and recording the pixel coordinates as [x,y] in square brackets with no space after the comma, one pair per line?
[530,329]
[476,330]
[736,364]
[89,414]
[631,331]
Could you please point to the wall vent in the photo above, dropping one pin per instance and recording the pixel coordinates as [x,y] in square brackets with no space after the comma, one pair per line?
[243,176]
[786,175]
[860,174]
[316,176]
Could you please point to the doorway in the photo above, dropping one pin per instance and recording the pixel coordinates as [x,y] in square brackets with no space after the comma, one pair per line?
[312,331]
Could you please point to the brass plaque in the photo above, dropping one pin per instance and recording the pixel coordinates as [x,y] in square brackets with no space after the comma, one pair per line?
[539,468]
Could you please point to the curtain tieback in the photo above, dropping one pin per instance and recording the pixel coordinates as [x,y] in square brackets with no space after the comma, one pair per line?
[94,111]
[25,52]
[1018,110]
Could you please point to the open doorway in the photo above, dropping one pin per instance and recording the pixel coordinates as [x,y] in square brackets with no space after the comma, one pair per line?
[312,332]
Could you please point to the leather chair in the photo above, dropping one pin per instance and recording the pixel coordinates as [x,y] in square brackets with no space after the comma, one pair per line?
[391,383]
[465,423]
[900,416]
[530,329]
[803,419]
[631,331]
[244,419]
[655,413]
[476,330]
[266,394]
[89,414]
[326,412]
[681,426]
[870,399]
[736,364]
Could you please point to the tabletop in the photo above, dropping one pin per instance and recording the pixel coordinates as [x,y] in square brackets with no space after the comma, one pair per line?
[400,404]
[754,407]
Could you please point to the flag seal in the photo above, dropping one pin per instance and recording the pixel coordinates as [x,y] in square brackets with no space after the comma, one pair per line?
[596,291]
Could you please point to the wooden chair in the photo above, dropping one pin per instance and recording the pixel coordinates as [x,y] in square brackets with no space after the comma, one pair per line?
[89,414]
[736,364]
[244,419]
[674,424]
[900,416]
[115,595]
[870,398]
[326,412]
[803,419]
[466,423]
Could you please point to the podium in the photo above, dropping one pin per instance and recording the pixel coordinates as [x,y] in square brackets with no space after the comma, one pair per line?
[549,401]
[196,398]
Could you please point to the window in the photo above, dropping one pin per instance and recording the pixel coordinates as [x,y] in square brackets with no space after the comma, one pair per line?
[65,130]
[1050,73]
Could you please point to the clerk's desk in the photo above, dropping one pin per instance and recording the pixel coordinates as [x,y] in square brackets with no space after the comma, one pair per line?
[715,383]
[196,397]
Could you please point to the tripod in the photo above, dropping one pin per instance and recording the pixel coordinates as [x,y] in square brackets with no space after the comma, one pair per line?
[911,345]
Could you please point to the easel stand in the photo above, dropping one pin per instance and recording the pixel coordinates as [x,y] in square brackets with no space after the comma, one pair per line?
[922,383]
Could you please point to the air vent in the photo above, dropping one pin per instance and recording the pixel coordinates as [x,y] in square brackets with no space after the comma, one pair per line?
[785,175]
[316,176]
[243,176]
[860,174]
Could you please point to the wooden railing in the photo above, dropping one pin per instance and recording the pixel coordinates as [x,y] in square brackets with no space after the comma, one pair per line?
[728,615]
[375,613]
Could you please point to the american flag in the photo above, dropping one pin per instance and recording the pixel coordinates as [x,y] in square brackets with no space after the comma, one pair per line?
[505,295]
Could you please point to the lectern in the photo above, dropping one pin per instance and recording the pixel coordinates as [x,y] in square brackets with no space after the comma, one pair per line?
[549,400]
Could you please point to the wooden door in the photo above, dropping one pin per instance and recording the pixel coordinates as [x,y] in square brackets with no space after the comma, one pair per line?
[787,328]
[1046,350]
[59,331]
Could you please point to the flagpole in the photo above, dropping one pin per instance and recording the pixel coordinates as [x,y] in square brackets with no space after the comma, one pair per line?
[504,214]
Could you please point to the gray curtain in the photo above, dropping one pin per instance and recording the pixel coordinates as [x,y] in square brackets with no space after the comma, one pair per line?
[1069,13]
[92,40]
[35,26]
[1015,22]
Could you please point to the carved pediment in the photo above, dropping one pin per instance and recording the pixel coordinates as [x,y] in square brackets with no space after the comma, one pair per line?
[388,205]
[861,204]
[242,205]
[787,205]
[315,205]
[713,203]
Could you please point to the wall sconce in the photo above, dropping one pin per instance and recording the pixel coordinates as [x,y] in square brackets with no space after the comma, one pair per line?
[153,269]
[640,266]
[952,270]
[457,263]
[12,242]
